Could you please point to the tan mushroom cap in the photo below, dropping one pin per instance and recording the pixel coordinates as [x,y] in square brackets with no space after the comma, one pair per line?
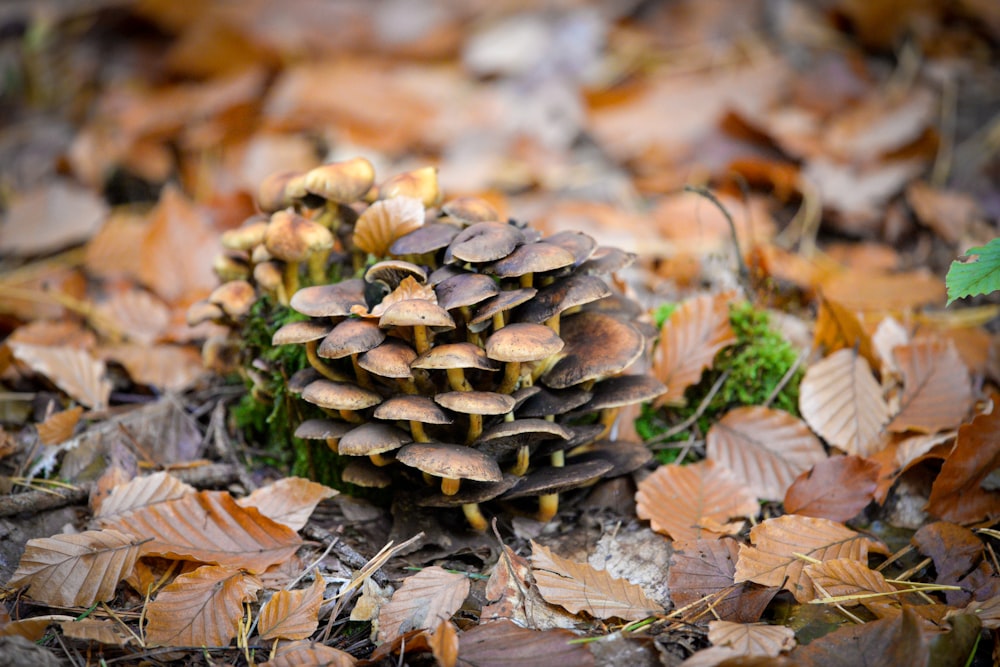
[607,260]
[203,310]
[364,473]
[523,342]
[301,379]
[450,461]
[341,182]
[531,258]
[503,301]
[582,434]
[555,480]
[476,402]
[372,438]
[419,183]
[300,332]
[597,346]
[428,238]
[232,265]
[393,271]
[625,456]
[273,193]
[484,242]
[292,238]
[235,298]
[580,245]
[465,289]
[470,210]
[352,336]
[416,312]
[471,492]
[571,291]
[385,221]
[340,395]
[246,236]
[411,408]
[333,300]
[321,429]
[625,390]
[454,355]
[391,359]
[508,436]
[553,401]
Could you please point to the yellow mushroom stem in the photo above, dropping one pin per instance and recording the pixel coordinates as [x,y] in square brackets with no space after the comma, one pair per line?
[527,280]
[321,367]
[317,267]
[364,379]
[475,428]
[608,417]
[523,457]
[553,323]
[418,432]
[290,279]
[498,320]
[429,479]
[380,460]
[450,485]
[421,341]
[548,504]
[351,416]
[511,375]
[333,444]
[457,381]
[475,518]
[408,386]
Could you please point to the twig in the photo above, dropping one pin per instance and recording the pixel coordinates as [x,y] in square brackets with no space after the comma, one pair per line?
[744,272]
[785,379]
[946,147]
[684,425]
[345,553]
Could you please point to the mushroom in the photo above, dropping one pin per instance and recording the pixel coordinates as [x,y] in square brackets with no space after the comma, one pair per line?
[350,338]
[469,210]
[417,410]
[373,440]
[384,277]
[274,194]
[517,343]
[519,435]
[548,483]
[418,314]
[294,239]
[462,290]
[420,184]
[560,296]
[494,309]
[391,359]
[385,221]
[469,496]
[625,456]
[345,397]
[310,333]
[234,298]
[597,346]
[323,429]
[426,239]
[529,259]
[580,245]
[334,300]
[364,473]
[475,404]
[339,183]
[612,394]
[483,242]
[454,358]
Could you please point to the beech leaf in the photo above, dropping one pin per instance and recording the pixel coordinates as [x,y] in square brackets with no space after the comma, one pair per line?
[937,393]
[846,576]
[73,370]
[308,654]
[895,641]
[444,644]
[289,501]
[423,601]
[504,644]
[142,492]
[838,328]
[836,488]
[59,426]
[103,631]
[167,367]
[579,587]
[752,638]
[292,614]
[957,493]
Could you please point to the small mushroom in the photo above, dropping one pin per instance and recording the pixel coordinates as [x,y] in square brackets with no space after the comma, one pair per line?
[345,397]
[470,210]
[323,429]
[274,194]
[494,309]
[562,295]
[476,404]
[454,358]
[548,483]
[580,245]
[373,440]
[309,333]
[420,184]
[417,410]
[483,242]
[391,359]
[529,259]
[418,314]
[426,239]
[520,436]
[294,239]
[385,221]
[364,473]
[334,300]
[235,298]
[612,394]
[350,338]
[597,346]
[517,343]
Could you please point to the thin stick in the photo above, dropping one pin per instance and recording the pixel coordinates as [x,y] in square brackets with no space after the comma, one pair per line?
[744,272]
[785,379]
[702,407]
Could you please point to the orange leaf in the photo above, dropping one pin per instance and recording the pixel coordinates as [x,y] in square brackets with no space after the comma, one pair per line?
[765,449]
[840,400]
[752,638]
[689,341]
[76,570]
[308,654]
[137,314]
[444,644]
[693,501]
[882,292]
[60,426]
[292,614]
[580,587]
[167,367]
[202,608]
[836,488]
[937,393]
[837,328]
[504,644]
[289,501]
[210,527]
[774,559]
[846,576]
[507,588]
[72,370]
[423,601]
[103,631]
[957,494]
[142,492]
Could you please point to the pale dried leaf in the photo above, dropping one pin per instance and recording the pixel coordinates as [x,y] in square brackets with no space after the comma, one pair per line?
[694,501]
[711,657]
[53,216]
[166,367]
[209,527]
[59,426]
[689,341]
[423,601]
[846,576]
[142,492]
[289,501]
[766,449]
[937,393]
[504,644]
[74,371]
[579,587]
[840,400]
[752,638]
[201,608]
[103,631]
[76,570]
[308,654]
[888,335]
[292,614]
[33,628]
[112,250]
[774,559]
[444,644]
[137,314]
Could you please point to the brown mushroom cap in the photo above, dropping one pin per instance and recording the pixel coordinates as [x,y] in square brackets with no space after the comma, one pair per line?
[267,275]
[416,312]
[625,390]
[321,429]
[203,310]
[597,346]
[385,221]
[246,236]
[234,298]
[393,271]
[581,434]
[362,472]
[300,332]
[391,359]
[476,402]
[450,461]
[231,265]
[530,258]
[340,395]
[352,336]
[509,436]
[465,289]
[372,438]
[333,300]
[555,480]
[503,301]
[301,379]
[406,407]
[428,238]
[484,242]
[553,401]
[470,210]
[471,492]
[292,238]
[523,342]
[607,260]
[419,183]
[578,244]
[454,355]
[574,290]
[273,194]
[341,182]
[624,456]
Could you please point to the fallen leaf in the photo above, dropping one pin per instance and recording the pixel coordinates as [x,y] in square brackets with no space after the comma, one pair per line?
[59,426]
[74,371]
[34,628]
[879,292]
[102,631]
[580,587]
[423,601]
[846,576]
[752,638]
[111,252]
[838,328]
[166,367]
[766,449]
[840,400]
[308,654]
[937,393]
[880,125]
[142,492]
[444,644]
[504,644]
[52,216]
[902,453]
[694,501]
[78,569]
[292,614]
[836,488]
[289,501]
[778,544]
[956,552]
[137,314]
[957,494]
[896,641]
[888,335]
[508,589]
[202,608]
[701,580]
[949,213]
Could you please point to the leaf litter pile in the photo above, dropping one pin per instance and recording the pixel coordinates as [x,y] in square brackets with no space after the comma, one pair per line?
[795,204]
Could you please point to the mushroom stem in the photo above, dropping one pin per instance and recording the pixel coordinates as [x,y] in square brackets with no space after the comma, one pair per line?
[475,428]
[333,444]
[320,365]
[380,460]
[548,504]
[420,339]
[498,320]
[351,416]
[523,457]
[290,279]
[527,280]
[553,323]
[475,517]
[418,432]
[456,378]
[511,374]
[450,486]
[317,266]
[364,379]
[608,417]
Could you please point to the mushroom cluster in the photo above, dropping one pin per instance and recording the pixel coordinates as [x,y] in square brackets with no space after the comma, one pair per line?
[466,351]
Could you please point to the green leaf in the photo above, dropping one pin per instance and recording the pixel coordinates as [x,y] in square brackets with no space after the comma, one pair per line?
[976,276]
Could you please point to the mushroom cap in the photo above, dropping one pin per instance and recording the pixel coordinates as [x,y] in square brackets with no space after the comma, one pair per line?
[531,258]
[235,298]
[470,210]
[625,456]
[334,300]
[393,271]
[267,275]
[292,238]
[301,379]
[362,472]
[508,436]
[321,429]
[385,221]
[476,402]
[232,265]
[450,461]
[246,236]
[581,434]
[580,245]
[503,301]
[416,312]
[421,184]
[597,346]
[454,355]
[443,272]
[203,310]
[340,395]
[391,359]
[352,336]
[300,332]
[273,194]
[471,492]
[555,480]
[484,242]
[625,390]
[428,238]
[342,182]
[410,407]
[553,401]
[607,260]
[465,289]
[573,290]
[523,342]
[372,438]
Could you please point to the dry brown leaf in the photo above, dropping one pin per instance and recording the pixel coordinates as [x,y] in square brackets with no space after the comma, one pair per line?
[837,328]
[308,654]
[103,631]
[292,614]
[880,125]
[958,494]
[289,501]
[840,400]
[508,588]
[689,341]
[752,638]
[76,570]
[888,335]
[166,367]
[33,628]
[142,492]
[846,576]
[59,426]
[778,544]
[504,644]
[137,314]
[694,501]
[444,644]
[884,292]
[202,608]
[948,212]
[112,250]
[74,371]
[987,611]
[937,393]
[765,449]
[895,641]
[836,488]
[579,587]
[53,216]
[703,570]
[423,601]
[209,527]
